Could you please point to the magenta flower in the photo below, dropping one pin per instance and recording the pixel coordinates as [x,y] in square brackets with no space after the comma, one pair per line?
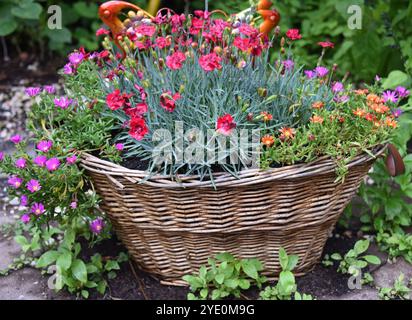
[40,161]
[45,145]
[50,89]
[1,156]
[25,218]
[16,139]
[73,205]
[96,226]
[341,99]
[20,163]
[337,87]
[33,185]
[288,64]
[37,208]
[378,78]
[24,200]
[391,96]
[33,91]
[397,113]
[119,146]
[63,102]
[52,164]
[76,58]
[321,72]
[402,92]
[72,159]
[15,182]
[310,74]
[68,69]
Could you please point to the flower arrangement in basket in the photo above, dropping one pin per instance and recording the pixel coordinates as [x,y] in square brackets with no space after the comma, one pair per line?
[187,125]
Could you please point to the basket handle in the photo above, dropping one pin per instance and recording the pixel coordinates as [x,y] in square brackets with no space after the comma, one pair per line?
[394,161]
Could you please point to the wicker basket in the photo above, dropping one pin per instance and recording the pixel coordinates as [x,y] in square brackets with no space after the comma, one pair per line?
[170,228]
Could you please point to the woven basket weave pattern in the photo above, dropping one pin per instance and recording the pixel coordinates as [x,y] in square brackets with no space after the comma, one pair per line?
[171,230]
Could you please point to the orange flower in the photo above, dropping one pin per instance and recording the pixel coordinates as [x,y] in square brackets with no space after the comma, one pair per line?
[268,140]
[376,123]
[316,119]
[287,133]
[379,108]
[361,92]
[318,105]
[359,112]
[373,98]
[390,122]
[266,116]
[370,117]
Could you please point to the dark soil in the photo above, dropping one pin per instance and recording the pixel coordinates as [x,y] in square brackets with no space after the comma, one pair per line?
[134,284]
[26,68]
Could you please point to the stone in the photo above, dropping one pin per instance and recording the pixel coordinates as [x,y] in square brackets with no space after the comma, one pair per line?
[386,275]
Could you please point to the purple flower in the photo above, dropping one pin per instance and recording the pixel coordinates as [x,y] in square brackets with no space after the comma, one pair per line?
[397,113]
[402,92]
[50,89]
[15,182]
[25,218]
[337,87]
[310,74]
[40,161]
[341,99]
[33,185]
[119,146]
[63,102]
[321,72]
[73,205]
[289,64]
[76,58]
[1,156]
[20,163]
[377,78]
[37,208]
[71,159]
[33,91]
[52,164]
[96,226]
[24,200]
[45,145]
[68,69]
[16,139]
[391,96]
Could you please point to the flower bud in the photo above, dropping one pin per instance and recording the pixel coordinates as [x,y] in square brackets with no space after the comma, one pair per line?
[131,14]
[217,50]
[263,92]
[282,42]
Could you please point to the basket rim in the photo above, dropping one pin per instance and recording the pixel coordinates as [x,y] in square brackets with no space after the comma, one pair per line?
[322,165]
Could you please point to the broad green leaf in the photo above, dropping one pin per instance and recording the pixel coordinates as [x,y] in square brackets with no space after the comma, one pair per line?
[283,258]
[395,78]
[361,246]
[250,269]
[79,270]
[293,261]
[220,278]
[21,240]
[65,260]
[112,265]
[372,259]
[7,26]
[30,11]
[244,284]
[47,259]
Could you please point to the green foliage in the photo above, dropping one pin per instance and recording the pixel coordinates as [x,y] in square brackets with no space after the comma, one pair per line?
[225,276]
[26,22]
[399,290]
[286,287]
[386,209]
[354,261]
[75,274]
